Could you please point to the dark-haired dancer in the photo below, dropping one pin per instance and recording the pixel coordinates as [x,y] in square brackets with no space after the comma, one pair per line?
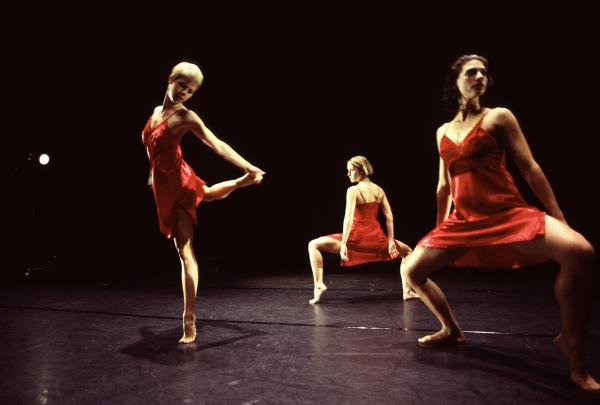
[177,189]
[362,240]
[489,213]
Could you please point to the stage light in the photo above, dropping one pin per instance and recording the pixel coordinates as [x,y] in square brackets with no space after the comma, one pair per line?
[44,159]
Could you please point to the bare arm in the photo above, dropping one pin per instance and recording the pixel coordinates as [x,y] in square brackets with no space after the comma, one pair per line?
[443,193]
[389,218]
[528,167]
[202,132]
[348,217]
[389,224]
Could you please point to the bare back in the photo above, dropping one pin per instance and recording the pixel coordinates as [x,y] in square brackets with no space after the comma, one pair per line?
[368,192]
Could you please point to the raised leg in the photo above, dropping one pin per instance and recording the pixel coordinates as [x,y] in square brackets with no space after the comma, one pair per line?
[221,190]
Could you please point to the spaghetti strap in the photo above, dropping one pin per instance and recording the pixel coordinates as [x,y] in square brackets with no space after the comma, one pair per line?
[478,123]
[170,115]
[361,194]
[482,116]
[161,121]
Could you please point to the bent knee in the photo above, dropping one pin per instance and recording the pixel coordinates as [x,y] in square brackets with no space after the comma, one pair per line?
[579,253]
[411,272]
[313,244]
[581,249]
[405,250]
[185,252]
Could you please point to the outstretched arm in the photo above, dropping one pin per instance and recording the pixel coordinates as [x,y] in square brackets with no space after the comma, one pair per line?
[528,167]
[348,217]
[222,149]
[389,224]
[443,194]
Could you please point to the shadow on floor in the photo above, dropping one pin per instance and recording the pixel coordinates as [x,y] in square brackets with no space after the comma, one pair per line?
[163,347]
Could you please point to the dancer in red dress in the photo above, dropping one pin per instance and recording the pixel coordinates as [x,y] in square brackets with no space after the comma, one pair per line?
[491,224]
[177,189]
[363,240]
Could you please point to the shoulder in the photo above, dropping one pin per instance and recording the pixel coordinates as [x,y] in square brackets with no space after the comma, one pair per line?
[187,115]
[156,110]
[377,188]
[441,131]
[442,128]
[352,191]
[189,119]
[501,116]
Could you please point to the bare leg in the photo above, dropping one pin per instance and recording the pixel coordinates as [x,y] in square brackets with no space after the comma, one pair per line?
[315,246]
[221,190]
[573,289]
[407,292]
[189,273]
[417,267]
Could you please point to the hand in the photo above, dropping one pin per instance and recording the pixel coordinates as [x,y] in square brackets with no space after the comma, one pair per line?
[256,178]
[254,170]
[150,179]
[344,252]
[392,249]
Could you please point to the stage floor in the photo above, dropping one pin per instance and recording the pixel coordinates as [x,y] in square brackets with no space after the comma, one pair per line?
[260,342]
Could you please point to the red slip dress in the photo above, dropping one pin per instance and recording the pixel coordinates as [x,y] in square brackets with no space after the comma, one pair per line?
[174,181]
[489,212]
[366,241]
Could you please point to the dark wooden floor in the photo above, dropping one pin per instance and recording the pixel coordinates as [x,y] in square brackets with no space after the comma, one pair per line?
[260,342]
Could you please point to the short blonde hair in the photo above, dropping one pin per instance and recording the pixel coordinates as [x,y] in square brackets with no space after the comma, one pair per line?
[363,164]
[187,70]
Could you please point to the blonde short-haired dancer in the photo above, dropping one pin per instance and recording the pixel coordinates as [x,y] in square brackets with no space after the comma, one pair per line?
[177,189]
[362,240]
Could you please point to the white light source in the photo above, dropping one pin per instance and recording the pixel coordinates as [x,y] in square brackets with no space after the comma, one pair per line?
[44,159]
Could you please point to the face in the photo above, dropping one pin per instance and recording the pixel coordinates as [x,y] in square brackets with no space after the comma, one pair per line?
[473,79]
[354,174]
[181,89]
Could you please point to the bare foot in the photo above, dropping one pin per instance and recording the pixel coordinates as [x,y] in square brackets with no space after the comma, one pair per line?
[248,179]
[189,330]
[319,290]
[410,295]
[579,376]
[443,337]
[584,381]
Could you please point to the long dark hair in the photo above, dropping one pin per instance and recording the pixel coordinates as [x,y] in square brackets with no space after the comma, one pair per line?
[451,96]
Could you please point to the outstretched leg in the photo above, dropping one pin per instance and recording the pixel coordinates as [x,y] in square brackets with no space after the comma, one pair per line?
[189,272]
[573,289]
[315,246]
[421,263]
[221,190]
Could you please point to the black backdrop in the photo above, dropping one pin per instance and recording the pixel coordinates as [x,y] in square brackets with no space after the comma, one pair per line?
[297,90]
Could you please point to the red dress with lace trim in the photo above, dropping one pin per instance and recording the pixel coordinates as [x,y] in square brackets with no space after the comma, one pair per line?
[174,183]
[489,212]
